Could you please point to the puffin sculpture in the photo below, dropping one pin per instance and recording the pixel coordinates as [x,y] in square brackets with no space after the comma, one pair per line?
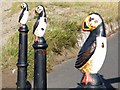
[40,24]
[93,52]
[24,14]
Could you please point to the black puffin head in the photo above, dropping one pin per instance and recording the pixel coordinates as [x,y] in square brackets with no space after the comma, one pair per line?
[24,6]
[40,10]
[95,24]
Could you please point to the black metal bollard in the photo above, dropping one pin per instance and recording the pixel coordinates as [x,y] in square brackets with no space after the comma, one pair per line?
[22,64]
[40,76]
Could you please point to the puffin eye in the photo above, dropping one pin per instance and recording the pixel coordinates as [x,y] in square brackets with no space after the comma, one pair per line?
[23,5]
[37,7]
[91,19]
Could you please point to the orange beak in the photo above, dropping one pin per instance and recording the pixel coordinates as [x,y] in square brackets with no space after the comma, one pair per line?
[86,24]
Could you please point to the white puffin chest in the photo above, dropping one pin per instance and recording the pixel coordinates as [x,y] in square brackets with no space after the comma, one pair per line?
[24,18]
[40,30]
[99,55]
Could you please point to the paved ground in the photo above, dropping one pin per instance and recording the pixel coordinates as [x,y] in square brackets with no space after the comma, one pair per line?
[66,76]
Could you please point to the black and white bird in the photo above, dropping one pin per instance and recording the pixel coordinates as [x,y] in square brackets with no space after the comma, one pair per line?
[93,52]
[24,14]
[40,24]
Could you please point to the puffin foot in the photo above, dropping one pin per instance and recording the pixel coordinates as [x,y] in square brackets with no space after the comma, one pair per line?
[87,78]
[21,25]
[36,39]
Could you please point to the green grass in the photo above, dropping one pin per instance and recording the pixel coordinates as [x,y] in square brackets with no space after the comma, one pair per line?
[63,22]
[104,8]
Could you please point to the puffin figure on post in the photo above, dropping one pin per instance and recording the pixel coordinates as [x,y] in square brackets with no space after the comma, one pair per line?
[41,23]
[24,14]
[93,52]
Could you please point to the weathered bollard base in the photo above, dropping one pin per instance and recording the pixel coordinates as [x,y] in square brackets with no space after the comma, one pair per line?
[97,83]
[40,76]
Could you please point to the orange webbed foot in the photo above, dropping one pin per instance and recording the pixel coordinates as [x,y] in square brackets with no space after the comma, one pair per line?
[87,78]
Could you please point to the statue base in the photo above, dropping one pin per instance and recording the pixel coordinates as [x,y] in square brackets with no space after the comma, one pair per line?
[97,83]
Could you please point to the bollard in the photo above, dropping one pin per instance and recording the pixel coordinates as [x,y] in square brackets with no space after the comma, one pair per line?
[40,45]
[40,76]
[22,64]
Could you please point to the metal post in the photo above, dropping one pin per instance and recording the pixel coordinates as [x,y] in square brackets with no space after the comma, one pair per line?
[22,59]
[40,76]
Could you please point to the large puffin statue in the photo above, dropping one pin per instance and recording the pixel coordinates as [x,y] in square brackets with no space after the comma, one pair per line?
[24,14]
[93,52]
[40,24]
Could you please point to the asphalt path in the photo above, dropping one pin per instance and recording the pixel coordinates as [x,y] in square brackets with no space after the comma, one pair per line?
[67,76]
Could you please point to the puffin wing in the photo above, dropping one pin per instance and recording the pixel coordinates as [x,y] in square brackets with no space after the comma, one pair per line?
[35,25]
[21,15]
[85,53]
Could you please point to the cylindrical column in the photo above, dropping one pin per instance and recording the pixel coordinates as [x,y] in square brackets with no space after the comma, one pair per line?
[22,58]
[40,76]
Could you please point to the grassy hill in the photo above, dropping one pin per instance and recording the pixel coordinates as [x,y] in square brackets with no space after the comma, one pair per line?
[63,23]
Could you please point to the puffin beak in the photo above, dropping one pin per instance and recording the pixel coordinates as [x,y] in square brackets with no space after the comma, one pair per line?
[37,11]
[21,6]
[86,24]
